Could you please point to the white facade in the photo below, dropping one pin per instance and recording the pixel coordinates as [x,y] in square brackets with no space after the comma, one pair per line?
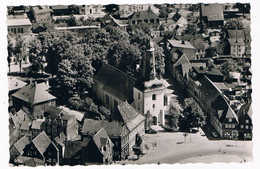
[237,50]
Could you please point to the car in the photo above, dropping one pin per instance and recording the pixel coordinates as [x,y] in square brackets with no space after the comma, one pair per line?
[214,134]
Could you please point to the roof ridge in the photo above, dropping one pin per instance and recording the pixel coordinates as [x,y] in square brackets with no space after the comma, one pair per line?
[119,70]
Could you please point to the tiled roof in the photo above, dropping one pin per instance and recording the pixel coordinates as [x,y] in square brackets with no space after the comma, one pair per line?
[102,139]
[13,137]
[113,128]
[72,128]
[42,142]
[221,86]
[53,110]
[130,116]
[33,93]
[34,162]
[15,84]
[72,148]
[36,124]
[59,7]
[44,10]
[18,22]
[236,41]
[21,143]
[79,115]
[180,44]
[25,125]
[149,14]
[213,71]
[183,59]
[245,109]
[213,12]
[236,34]
[116,82]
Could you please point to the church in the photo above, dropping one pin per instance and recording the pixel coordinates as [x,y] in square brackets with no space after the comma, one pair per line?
[147,94]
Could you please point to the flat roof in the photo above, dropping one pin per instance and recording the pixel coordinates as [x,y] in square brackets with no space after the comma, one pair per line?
[18,22]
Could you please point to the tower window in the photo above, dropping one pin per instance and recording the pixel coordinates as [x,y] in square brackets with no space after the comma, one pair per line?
[165,101]
[153,105]
[107,100]
[154,97]
[138,95]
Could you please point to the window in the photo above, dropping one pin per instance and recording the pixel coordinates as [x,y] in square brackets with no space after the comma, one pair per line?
[153,105]
[247,121]
[241,126]
[226,126]
[107,100]
[138,106]
[246,126]
[233,126]
[165,101]
[154,97]
[229,120]
[138,95]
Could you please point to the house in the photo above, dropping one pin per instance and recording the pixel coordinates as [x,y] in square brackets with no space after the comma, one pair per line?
[99,149]
[182,46]
[37,28]
[43,148]
[245,121]
[60,10]
[37,127]
[17,26]
[147,17]
[25,129]
[212,14]
[236,42]
[109,20]
[92,11]
[128,123]
[34,97]
[213,74]
[126,10]
[223,118]
[55,124]
[248,40]
[41,14]
[116,131]
[17,149]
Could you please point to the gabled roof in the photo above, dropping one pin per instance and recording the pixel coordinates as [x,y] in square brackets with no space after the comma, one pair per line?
[36,124]
[13,137]
[42,142]
[245,109]
[149,14]
[101,139]
[181,44]
[176,16]
[25,125]
[21,143]
[72,148]
[221,85]
[236,41]
[236,34]
[53,110]
[15,84]
[213,12]
[116,82]
[113,128]
[34,162]
[33,93]
[182,60]
[130,116]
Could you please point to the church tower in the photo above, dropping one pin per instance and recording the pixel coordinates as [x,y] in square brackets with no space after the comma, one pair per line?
[149,72]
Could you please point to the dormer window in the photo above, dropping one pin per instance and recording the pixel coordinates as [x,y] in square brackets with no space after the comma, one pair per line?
[230,120]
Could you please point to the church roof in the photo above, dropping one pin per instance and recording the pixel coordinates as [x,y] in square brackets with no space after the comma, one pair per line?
[116,82]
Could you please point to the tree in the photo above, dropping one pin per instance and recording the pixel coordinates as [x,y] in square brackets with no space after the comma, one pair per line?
[210,52]
[192,115]
[174,113]
[19,50]
[10,51]
[36,56]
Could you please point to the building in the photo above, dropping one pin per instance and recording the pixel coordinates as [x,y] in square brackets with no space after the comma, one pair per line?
[16,26]
[151,94]
[92,11]
[223,118]
[43,148]
[212,14]
[245,121]
[34,97]
[41,14]
[99,149]
[127,10]
[14,85]
[109,20]
[180,45]
[237,46]
[113,86]
[146,17]
[17,149]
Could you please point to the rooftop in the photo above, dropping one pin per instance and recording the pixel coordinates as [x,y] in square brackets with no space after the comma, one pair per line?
[33,93]
[181,44]
[15,84]
[213,12]
[18,22]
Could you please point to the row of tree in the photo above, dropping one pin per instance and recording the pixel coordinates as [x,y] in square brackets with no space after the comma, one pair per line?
[187,116]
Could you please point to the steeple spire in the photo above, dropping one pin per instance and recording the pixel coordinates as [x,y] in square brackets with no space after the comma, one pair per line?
[149,62]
